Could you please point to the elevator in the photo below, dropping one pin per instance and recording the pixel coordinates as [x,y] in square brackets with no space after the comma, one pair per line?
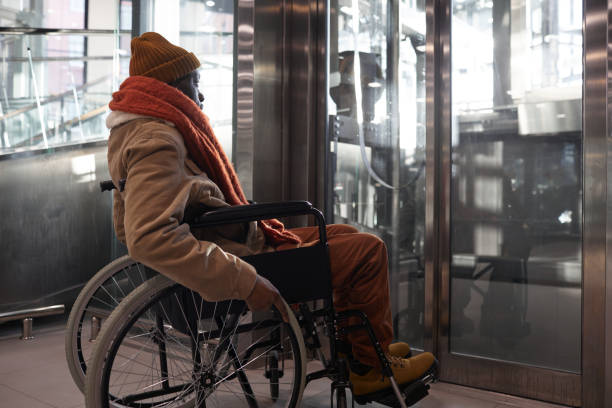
[471,136]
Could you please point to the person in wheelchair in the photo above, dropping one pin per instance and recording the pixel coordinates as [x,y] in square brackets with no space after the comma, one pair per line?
[162,144]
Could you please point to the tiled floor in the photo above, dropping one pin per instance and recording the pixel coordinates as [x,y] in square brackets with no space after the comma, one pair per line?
[34,374]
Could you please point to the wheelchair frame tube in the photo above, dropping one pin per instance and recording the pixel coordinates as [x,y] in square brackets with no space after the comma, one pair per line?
[256,212]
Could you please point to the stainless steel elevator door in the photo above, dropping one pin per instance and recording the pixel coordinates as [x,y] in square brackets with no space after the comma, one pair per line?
[514,282]
[517,182]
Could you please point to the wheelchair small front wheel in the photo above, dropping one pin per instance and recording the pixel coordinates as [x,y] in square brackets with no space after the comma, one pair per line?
[166,347]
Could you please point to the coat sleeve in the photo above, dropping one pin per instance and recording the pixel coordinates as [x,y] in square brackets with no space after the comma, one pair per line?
[155,197]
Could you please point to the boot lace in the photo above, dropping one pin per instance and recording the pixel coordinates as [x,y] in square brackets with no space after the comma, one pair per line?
[395,361]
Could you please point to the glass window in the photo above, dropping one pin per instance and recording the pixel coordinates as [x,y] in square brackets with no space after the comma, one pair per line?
[43,13]
[55,88]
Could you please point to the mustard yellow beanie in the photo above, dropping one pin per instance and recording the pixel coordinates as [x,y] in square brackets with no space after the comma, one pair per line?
[154,56]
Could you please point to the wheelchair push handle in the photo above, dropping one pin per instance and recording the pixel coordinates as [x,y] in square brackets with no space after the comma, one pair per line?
[255,212]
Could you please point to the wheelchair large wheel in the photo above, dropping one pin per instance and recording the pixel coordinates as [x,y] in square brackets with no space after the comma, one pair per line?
[166,347]
[98,298]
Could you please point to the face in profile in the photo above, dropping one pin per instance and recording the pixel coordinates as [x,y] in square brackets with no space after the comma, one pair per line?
[189,85]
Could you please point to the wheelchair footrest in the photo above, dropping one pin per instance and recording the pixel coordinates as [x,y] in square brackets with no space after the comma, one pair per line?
[414,392]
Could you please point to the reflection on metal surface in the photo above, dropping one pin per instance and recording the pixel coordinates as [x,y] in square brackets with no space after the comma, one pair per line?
[57,232]
[270,141]
[84,167]
[433,197]
[244,95]
[26,330]
[594,376]
[96,323]
[607,323]
[306,104]
[290,95]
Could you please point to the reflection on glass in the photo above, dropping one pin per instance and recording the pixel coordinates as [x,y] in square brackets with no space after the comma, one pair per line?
[377,110]
[516,192]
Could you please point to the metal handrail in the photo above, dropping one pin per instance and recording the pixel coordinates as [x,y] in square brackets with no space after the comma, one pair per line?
[35,312]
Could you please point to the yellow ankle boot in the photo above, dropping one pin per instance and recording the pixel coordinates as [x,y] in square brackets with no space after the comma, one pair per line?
[400,349]
[405,371]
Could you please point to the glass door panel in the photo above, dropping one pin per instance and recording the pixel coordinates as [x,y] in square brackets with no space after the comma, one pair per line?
[516,182]
[377,139]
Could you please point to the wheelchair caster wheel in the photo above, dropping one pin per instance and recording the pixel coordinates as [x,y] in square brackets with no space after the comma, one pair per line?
[272,373]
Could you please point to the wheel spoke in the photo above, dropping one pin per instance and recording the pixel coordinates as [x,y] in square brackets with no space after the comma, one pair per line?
[232,351]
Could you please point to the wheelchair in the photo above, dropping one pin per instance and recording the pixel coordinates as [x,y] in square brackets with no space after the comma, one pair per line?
[165,346]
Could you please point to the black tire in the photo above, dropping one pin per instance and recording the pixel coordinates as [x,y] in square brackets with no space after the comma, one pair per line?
[165,346]
[99,297]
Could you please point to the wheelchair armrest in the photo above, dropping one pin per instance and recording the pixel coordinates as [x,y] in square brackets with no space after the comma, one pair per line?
[254,212]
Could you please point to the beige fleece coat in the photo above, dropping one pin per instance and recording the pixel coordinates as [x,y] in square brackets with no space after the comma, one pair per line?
[162,181]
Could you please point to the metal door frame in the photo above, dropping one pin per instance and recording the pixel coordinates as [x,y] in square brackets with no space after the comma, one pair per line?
[594,117]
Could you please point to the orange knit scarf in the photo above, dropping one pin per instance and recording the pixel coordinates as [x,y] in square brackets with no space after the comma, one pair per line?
[148,96]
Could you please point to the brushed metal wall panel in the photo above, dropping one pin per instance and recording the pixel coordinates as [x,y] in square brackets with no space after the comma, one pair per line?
[608,278]
[244,84]
[56,229]
[290,94]
[268,110]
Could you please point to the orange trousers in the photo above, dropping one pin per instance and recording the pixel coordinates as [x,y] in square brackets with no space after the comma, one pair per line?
[360,280]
